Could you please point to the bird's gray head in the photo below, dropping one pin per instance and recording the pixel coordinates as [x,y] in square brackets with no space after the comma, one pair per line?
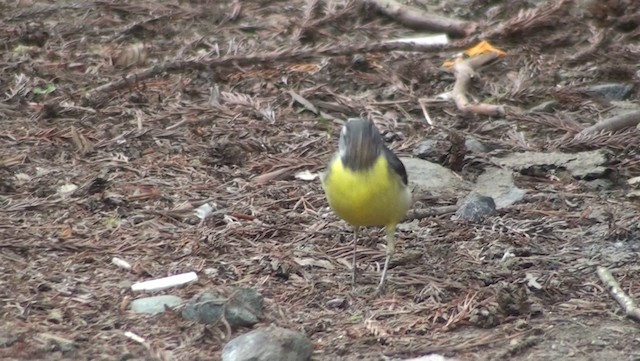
[360,144]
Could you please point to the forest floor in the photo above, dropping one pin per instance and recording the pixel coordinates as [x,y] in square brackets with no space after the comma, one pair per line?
[101,159]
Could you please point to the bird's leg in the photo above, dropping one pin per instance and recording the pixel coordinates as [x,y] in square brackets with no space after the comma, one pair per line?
[353,262]
[391,248]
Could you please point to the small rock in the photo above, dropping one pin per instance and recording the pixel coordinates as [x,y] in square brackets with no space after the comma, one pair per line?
[360,62]
[154,305]
[268,344]
[211,272]
[610,91]
[599,184]
[243,307]
[6,339]
[475,207]
[58,343]
[498,184]
[435,149]
[475,146]
[425,149]
[336,303]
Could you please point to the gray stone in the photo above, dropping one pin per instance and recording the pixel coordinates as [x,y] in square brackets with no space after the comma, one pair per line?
[610,91]
[425,148]
[154,305]
[57,343]
[242,308]
[475,146]
[338,302]
[600,184]
[583,165]
[433,178]
[476,207]
[498,184]
[7,339]
[269,344]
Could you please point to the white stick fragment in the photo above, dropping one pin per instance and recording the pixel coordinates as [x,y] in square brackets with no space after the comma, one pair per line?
[166,282]
[626,302]
[121,263]
[439,39]
[134,337]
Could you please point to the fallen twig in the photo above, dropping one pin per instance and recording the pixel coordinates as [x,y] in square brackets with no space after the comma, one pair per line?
[95,95]
[464,71]
[415,18]
[525,20]
[626,302]
[430,212]
[596,40]
[618,122]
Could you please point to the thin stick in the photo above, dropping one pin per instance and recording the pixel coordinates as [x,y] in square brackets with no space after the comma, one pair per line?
[618,122]
[354,275]
[626,302]
[279,56]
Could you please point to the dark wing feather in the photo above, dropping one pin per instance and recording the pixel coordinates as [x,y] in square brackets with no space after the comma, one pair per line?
[396,165]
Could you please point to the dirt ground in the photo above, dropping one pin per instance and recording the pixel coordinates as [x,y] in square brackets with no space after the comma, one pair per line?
[94,167]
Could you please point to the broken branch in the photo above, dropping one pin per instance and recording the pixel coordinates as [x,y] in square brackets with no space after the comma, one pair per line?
[527,20]
[464,71]
[618,122]
[415,18]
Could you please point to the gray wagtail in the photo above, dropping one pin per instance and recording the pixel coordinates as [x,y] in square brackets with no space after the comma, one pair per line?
[366,185]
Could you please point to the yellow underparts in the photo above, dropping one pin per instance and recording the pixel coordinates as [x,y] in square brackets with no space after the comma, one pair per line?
[373,197]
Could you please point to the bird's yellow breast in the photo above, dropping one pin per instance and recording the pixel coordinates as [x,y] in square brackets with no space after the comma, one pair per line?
[372,197]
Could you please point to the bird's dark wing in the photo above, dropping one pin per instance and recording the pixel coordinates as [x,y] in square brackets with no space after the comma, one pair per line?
[396,165]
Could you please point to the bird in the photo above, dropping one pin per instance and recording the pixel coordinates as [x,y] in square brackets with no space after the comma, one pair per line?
[366,185]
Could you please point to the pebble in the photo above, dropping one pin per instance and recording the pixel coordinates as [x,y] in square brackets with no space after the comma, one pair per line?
[154,305]
[269,344]
[476,207]
[611,91]
[498,184]
[338,302]
[242,307]
[433,178]
[473,145]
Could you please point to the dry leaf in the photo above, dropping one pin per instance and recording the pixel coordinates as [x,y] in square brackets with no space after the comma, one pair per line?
[83,145]
[66,232]
[134,54]
[11,161]
[376,328]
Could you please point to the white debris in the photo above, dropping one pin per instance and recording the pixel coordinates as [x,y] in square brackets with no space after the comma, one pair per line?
[134,337]
[166,282]
[121,263]
[306,175]
[67,188]
[439,39]
[204,211]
